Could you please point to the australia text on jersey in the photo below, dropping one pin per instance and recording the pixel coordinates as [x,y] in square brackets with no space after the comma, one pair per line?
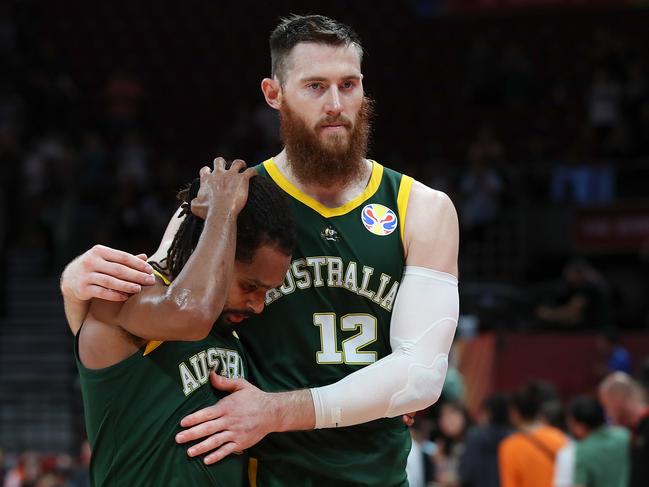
[223,361]
[331,271]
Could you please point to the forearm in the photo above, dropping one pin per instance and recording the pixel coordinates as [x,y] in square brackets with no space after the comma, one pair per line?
[292,411]
[203,284]
[411,377]
[75,310]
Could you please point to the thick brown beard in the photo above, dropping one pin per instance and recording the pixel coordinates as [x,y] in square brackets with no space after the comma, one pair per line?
[311,161]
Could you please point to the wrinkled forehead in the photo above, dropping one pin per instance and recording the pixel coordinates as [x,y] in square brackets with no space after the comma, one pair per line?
[319,60]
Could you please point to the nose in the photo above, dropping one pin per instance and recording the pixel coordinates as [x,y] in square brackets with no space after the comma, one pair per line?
[256,304]
[333,106]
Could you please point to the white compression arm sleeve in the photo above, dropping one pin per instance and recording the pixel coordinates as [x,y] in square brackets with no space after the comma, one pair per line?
[411,377]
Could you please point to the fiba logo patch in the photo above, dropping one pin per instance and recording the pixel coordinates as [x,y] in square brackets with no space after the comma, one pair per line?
[379,219]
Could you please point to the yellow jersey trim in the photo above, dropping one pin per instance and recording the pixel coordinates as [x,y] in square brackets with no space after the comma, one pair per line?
[286,185]
[402,203]
[153,344]
[252,471]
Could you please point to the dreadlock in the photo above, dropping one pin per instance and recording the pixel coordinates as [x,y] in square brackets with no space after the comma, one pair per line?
[264,220]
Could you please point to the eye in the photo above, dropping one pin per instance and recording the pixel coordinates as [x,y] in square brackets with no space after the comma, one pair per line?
[348,85]
[248,287]
[315,86]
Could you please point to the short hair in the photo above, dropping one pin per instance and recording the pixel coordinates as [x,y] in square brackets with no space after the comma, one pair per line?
[619,383]
[587,411]
[295,29]
[266,219]
[529,399]
[496,405]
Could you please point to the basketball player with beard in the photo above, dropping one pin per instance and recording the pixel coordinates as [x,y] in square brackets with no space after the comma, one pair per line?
[359,332]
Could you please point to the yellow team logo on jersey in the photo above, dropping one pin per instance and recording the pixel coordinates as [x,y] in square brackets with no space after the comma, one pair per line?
[379,219]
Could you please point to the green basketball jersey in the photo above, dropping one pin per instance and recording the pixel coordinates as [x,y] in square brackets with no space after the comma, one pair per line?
[133,411]
[330,318]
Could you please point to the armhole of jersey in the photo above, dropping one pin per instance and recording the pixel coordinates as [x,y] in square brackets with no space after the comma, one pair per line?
[402,205]
[252,472]
[153,344]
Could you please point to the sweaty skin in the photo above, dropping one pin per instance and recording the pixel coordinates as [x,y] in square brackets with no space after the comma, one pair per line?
[189,306]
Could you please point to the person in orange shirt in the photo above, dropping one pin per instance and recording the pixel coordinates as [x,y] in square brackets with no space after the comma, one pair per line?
[526,458]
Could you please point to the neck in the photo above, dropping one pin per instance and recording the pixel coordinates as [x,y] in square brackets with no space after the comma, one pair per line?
[530,425]
[330,195]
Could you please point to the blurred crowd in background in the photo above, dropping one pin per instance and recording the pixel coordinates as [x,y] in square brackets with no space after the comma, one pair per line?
[527,120]
[532,438]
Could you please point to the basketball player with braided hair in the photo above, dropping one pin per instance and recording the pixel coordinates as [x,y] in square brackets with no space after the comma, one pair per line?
[234,243]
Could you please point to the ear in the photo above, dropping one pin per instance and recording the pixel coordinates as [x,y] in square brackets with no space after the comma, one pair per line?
[272,92]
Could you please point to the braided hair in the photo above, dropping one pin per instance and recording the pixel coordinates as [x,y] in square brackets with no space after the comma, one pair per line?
[264,220]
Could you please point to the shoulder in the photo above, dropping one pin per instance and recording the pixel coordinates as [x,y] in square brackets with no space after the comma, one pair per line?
[431,230]
[436,203]
[619,432]
[510,444]
[554,435]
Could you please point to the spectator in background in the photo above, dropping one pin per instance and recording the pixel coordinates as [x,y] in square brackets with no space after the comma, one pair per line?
[583,303]
[615,357]
[481,185]
[79,474]
[419,468]
[453,422]
[453,390]
[26,472]
[625,403]
[551,410]
[644,373]
[527,457]
[479,461]
[601,452]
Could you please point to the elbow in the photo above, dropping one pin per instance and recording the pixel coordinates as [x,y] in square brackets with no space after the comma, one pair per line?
[196,324]
[188,324]
[197,330]
[194,317]
[423,388]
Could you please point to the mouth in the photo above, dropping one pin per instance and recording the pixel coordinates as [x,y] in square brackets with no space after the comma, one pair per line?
[236,317]
[334,127]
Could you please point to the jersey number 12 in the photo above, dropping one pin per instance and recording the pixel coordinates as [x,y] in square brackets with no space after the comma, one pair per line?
[351,352]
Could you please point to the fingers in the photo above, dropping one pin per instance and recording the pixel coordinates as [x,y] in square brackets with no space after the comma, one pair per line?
[408,419]
[112,283]
[224,384]
[106,294]
[202,174]
[125,274]
[221,453]
[211,443]
[202,430]
[238,165]
[249,173]
[201,416]
[219,163]
[120,257]
[141,257]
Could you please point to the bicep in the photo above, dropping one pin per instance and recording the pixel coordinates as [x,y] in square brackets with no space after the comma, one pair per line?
[140,315]
[431,235]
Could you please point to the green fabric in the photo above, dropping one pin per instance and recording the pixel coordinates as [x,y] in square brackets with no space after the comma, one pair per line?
[133,410]
[602,458]
[292,344]
[280,474]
